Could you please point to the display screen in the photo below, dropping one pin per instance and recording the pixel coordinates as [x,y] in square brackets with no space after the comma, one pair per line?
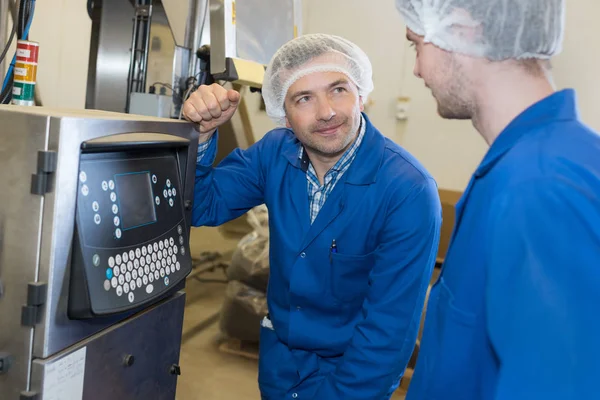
[136,201]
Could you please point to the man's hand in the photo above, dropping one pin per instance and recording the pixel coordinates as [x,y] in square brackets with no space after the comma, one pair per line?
[210,107]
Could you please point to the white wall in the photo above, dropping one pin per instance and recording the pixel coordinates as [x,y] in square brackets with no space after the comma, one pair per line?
[450,150]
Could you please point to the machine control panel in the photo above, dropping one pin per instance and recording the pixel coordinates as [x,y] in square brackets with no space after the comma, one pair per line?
[131,245]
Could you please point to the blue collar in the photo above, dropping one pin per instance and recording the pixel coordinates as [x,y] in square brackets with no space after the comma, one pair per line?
[369,156]
[560,106]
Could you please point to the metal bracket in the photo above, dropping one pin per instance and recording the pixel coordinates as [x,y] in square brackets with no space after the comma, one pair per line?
[46,166]
[6,361]
[36,298]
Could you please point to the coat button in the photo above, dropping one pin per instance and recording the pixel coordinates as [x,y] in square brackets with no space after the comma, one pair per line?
[303,255]
[295,395]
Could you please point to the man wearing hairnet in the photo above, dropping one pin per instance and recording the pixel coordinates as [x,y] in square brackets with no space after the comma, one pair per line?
[354,224]
[514,313]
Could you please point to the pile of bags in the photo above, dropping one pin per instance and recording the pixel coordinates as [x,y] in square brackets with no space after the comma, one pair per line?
[245,302]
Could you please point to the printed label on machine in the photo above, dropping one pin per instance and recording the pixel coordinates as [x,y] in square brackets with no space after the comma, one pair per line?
[64,378]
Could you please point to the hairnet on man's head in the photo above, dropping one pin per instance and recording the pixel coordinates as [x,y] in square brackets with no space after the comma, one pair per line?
[308,54]
[493,29]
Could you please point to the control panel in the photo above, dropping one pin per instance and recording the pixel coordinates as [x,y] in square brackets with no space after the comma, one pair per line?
[131,245]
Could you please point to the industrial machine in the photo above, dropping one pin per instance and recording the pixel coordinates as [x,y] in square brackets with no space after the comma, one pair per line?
[94,252]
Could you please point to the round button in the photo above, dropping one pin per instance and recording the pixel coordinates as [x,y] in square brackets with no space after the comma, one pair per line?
[134,274]
[107,285]
[144,251]
[155,246]
[130,266]
[161,245]
[142,261]
[151,278]
[154,179]
[303,255]
[147,269]
[145,279]
[138,252]
[174,192]
[121,279]
[175,249]
[165,194]
[295,395]
[119,291]
[180,239]
[111,185]
[160,255]
[115,209]
[138,282]
[126,288]
[177,266]
[149,288]
[82,176]
[109,273]
[170,192]
[140,272]
[131,254]
[165,254]
[149,249]
[118,233]
[154,258]
[153,267]
[132,285]
[170,251]
[119,259]
[85,190]
[114,281]
[111,261]
[131,297]
[166,281]
[97,219]
[169,261]
[123,268]
[162,272]
[171,241]
[104,186]
[96,260]
[128,276]
[182,251]
[163,262]
[117,271]
[166,242]
[157,201]
[168,183]
[173,258]
[95,206]
[179,229]
[171,202]
[148,259]
[116,220]
[113,196]
[125,257]
[173,268]
[156,275]
[136,263]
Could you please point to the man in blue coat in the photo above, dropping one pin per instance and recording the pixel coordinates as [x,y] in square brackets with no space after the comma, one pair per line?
[514,312]
[354,224]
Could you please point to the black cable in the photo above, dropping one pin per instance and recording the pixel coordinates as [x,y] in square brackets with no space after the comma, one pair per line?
[10,39]
[21,21]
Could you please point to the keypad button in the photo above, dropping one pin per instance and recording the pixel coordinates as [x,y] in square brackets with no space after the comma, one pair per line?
[154,257]
[173,258]
[171,241]
[169,261]
[147,269]
[126,288]
[171,202]
[119,259]
[96,260]
[144,251]
[140,272]
[166,281]
[114,282]
[159,255]
[138,252]
[153,267]
[111,184]
[162,273]
[157,200]
[170,192]
[168,183]
[104,186]
[138,282]
[115,209]
[136,263]
[181,240]
[131,297]
[163,262]
[85,190]
[168,270]
[123,268]
[128,277]
[95,206]
[125,257]
[155,247]
[116,220]
[97,219]
[173,268]
[179,229]
[170,251]
[174,193]
[166,243]
[149,247]
[175,249]
[165,253]
[134,274]
[111,261]
[177,266]
[148,259]
[151,278]
[109,273]
[165,194]
[131,254]
[161,245]
[149,288]
[113,197]
[116,271]
[154,179]
[142,261]
[129,266]
[145,279]
[121,279]
[107,285]
[156,275]
[118,233]
[182,251]
[132,285]
[119,290]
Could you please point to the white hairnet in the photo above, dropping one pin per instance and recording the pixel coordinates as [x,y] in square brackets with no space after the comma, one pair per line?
[493,29]
[308,54]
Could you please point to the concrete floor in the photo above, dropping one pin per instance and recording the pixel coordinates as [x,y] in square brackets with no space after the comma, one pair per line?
[206,372]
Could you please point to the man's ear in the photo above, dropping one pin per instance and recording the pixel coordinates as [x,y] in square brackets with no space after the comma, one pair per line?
[287,123]
[361,104]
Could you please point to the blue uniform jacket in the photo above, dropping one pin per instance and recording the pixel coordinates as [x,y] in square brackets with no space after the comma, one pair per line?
[514,314]
[345,323]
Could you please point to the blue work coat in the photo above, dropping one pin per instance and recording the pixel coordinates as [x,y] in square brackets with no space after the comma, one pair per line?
[344,324]
[514,313]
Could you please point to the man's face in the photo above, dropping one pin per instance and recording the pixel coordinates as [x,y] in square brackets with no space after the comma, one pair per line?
[323,109]
[445,74]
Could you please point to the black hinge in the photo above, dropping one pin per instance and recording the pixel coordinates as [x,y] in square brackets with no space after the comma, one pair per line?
[46,166]
[6,361]
[29,396]
[36,297]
